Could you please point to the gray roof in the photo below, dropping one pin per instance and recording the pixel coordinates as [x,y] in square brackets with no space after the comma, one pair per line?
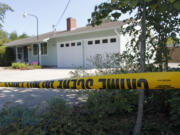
[44,37]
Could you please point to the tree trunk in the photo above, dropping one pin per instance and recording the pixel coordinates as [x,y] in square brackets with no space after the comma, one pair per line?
[137,128]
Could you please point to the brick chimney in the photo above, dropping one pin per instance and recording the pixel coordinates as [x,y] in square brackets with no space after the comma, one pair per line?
[71,24]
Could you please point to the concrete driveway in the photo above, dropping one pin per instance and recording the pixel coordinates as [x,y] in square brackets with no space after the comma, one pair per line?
[32,97]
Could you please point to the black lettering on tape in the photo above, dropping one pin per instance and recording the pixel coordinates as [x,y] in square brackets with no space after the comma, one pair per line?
[108,83]
[129,83]
[117,84]
[134,83]
[66,84]
[60,84]
[47,84]
[103,81]
[145,82]
[122,84]
[81,81]
[51,85]
[74,84]
[89,83]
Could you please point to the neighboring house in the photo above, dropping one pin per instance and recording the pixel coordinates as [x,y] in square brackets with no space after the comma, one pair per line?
[174,62]
[71,48]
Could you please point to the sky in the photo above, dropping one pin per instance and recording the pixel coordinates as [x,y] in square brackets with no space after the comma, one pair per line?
[48,12]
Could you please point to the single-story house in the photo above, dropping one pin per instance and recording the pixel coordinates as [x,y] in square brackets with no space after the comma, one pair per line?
[73,47]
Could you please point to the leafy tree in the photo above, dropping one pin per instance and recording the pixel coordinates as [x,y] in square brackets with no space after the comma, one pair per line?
[24,35]
[3,37]
[144,10]
[13,36]
[3,9]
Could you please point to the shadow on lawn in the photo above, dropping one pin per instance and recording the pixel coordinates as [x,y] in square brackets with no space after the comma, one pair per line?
[31,97]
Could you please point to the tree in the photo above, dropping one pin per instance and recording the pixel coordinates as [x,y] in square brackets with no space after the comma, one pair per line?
[116,8]
[24,35]
[165,23]
[3,9]
[3,37]
[13,36]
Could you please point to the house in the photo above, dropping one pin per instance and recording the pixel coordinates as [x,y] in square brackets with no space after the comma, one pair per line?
[73,47]
[174,62]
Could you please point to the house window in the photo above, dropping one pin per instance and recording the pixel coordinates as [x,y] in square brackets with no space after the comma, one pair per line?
[35,49]
[62,45]
[97,41]
[73,44]
[113,40]
[78,43]
[43,48]
[90,42]
[105,41]
[67,44]
[20,53]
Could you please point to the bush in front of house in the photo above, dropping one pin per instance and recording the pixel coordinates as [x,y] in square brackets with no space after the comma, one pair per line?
[18,65]
[24,66]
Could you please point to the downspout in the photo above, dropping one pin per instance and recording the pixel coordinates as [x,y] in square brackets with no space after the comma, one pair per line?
[119,39]
[83,53]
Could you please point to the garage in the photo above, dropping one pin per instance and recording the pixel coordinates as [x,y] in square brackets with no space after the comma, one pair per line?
[70,54]
[100,46]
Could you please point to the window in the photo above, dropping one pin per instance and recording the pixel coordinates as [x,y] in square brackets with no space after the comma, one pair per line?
[73,44]
[20,53]
[35,49]
[90,42]
[67,44]
[43,48]
[97,41]
[62,45]
[113,40]
[78,43]
[105,41]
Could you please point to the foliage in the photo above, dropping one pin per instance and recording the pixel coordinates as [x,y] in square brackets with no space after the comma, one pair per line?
[115,63]
[107,102]
[15,119]
[3,9]
[161,24]
[3,37]
[106,112]
[175,107]
[15,36]
[24,66]
[79,73]
[6,56]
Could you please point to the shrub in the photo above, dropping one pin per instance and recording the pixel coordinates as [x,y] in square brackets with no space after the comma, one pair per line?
[18,65]
[16,119]
[111,102]
[175,107]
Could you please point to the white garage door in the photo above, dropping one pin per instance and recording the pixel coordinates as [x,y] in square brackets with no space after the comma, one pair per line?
[70,55]
[102,46]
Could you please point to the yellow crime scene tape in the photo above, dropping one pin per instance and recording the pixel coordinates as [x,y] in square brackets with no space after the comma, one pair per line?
[151,81]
